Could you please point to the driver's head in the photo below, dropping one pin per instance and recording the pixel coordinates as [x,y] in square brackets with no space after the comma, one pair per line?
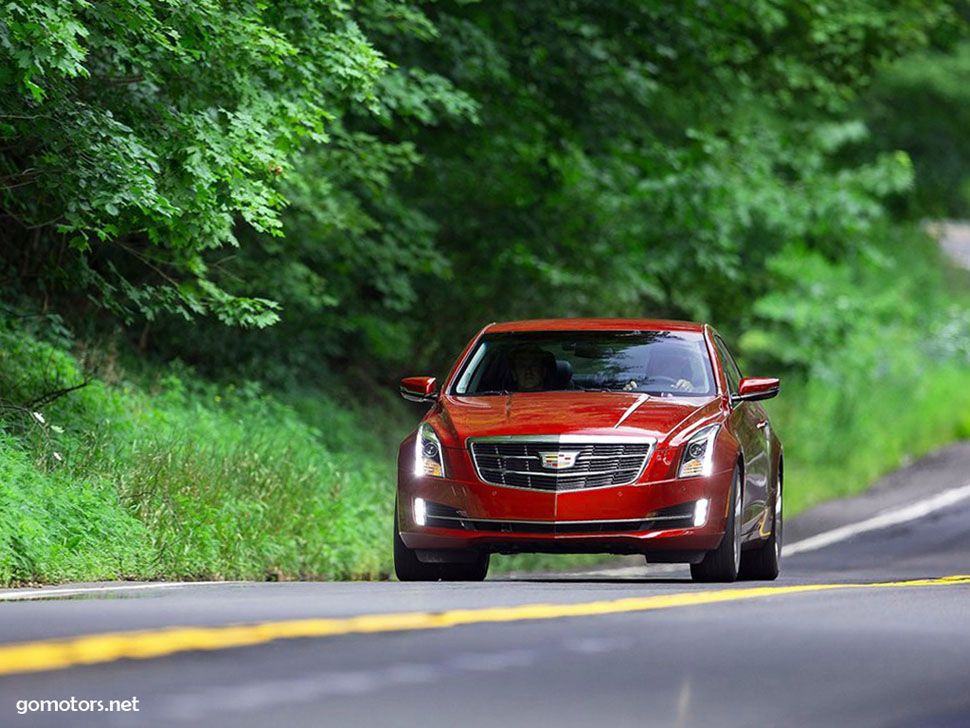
[528,368]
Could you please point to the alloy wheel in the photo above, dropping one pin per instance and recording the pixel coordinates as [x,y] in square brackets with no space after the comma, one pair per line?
[778,521]
[737,525]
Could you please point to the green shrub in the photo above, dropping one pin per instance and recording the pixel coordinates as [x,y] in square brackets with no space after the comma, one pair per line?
[176,477]
[53,527]
[839,439]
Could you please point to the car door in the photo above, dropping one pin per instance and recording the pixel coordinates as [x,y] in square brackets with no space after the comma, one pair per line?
[749,423]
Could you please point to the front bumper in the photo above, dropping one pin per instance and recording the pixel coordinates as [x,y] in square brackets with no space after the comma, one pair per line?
[652,517]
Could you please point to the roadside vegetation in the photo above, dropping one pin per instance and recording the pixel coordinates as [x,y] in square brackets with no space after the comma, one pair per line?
[166,475]
[228,231]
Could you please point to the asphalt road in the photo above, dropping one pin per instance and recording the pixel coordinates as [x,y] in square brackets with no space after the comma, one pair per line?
[893,655]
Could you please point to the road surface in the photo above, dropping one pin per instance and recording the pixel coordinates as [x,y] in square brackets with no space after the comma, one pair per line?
[866,631]
[954,238]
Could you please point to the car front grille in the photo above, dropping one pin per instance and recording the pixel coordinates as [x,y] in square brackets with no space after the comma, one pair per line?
[597,462]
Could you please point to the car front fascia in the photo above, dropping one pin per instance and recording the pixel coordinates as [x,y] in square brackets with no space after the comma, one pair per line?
[656,488]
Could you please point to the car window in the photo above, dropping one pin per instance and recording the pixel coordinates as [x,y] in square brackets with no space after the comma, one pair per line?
[662,363]
[731,369]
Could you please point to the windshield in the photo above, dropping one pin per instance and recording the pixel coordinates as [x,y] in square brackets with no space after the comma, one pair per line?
[660,363]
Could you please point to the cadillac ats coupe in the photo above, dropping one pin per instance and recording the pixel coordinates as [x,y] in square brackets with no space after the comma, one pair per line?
[591,435]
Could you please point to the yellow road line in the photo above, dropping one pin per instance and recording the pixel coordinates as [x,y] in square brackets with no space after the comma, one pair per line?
[99,648]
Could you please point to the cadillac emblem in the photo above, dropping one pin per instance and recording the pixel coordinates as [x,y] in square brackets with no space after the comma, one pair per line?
[558,460]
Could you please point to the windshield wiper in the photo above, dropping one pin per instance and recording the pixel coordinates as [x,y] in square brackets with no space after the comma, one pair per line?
[489,392]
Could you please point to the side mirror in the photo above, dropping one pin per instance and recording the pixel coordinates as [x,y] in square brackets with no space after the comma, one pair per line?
[752,389]
[419,389]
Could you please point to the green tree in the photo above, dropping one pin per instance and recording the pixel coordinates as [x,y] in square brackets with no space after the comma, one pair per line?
[137,135]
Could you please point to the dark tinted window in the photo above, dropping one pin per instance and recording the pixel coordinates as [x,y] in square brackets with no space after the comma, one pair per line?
[731,369]
[662,363]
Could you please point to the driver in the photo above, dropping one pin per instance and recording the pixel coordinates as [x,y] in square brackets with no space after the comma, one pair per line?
[673,365]
[529,368]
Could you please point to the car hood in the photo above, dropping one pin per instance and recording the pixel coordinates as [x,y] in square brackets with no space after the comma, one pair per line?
[553,413]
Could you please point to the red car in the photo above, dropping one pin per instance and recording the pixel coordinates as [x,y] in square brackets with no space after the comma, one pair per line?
[623,436]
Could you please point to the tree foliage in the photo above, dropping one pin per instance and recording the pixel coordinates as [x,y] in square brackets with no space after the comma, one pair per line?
[922,105]
[385,176]
[140,135]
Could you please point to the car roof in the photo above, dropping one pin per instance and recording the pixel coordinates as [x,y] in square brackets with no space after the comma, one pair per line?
[593,324]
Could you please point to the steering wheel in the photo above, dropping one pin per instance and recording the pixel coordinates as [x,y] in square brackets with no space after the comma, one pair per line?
[679,385]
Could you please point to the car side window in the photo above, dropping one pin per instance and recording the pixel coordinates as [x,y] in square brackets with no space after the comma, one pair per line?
[731,370]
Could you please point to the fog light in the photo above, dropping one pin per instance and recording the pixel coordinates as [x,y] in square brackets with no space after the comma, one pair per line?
[421,512]
[700,512]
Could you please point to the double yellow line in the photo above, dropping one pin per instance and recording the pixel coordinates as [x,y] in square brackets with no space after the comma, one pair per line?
[99,648]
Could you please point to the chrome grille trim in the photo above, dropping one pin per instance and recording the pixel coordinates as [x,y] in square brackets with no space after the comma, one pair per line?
[492,466]
[585,457]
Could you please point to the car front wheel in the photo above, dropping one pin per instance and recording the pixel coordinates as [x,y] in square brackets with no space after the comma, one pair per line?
[763,562]
[723,563]
[408,567]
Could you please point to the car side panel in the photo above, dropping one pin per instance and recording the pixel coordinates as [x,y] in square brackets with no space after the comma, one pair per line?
[745,419]
[743,423]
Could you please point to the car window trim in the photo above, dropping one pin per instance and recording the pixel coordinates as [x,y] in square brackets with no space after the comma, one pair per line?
[729,357]
[452,386]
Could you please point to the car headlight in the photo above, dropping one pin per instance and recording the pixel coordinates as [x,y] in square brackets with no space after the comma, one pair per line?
[698,457]
[428,457]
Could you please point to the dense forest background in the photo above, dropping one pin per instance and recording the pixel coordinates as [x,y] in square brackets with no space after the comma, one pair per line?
[227,229]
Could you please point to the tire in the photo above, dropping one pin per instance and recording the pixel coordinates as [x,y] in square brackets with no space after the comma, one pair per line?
[723,563]
[763,563]
[475,571]
[408,567]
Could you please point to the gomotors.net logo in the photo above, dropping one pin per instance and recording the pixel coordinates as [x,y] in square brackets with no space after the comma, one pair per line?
[77,705]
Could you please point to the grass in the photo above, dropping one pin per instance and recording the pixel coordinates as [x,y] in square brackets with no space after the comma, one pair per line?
[55,528]
[181,478]
[896,385]
[245,489]
[839,442]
